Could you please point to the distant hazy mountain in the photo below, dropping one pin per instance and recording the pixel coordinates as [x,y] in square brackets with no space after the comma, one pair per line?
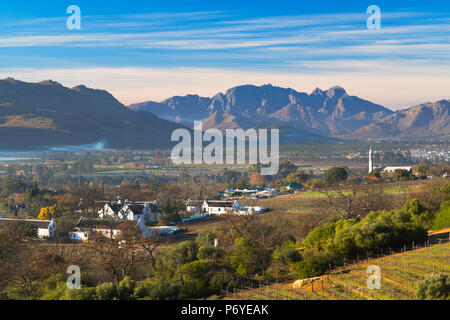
[422,121]
[331,112]
[47,114]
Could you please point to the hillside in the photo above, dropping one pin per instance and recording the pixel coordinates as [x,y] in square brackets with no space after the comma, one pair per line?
[47,114]
[330,112]
[400,274]
[421,121]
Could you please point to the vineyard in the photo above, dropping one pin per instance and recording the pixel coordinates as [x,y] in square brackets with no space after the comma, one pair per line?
[400,274]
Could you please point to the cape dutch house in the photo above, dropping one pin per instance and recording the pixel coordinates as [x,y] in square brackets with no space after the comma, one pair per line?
[219,207]
[147,212]
[110,228]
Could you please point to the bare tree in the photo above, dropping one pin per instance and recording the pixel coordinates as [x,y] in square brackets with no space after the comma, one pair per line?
[355,200]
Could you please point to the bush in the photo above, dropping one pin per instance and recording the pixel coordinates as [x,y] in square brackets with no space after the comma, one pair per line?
[125,289]
[21,228]
[246,259]
[106,291]
[312,266]
[434,288]
[157,289]
[287,253]
[335,175]
[442,218]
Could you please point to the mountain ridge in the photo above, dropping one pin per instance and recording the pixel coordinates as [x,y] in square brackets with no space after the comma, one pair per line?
[332,112]
[47,114]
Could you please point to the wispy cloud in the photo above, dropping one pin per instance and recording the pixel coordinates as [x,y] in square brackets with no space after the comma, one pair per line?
[168,53]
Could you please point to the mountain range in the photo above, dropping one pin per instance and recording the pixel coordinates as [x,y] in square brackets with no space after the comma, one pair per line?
[46,114]
[322,113]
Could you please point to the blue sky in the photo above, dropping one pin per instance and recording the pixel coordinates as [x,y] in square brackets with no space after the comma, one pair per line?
[151,50]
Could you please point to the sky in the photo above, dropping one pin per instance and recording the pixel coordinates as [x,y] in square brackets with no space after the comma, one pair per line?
[152,50]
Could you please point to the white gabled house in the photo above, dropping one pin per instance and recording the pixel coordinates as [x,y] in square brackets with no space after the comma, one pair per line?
[194,206]
[110,210]
[219,207]
[147,212]
[109,228]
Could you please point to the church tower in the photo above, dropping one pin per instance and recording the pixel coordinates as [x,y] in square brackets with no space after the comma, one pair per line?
[370,160]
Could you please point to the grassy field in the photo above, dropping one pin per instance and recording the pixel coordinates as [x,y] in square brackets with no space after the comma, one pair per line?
[400,274]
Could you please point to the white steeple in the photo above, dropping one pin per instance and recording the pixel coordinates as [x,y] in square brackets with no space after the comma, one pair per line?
[370,159]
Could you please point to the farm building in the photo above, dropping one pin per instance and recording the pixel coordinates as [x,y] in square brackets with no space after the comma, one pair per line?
[45,228]
[219,206]
[110,228]
[148,212]
[194,206]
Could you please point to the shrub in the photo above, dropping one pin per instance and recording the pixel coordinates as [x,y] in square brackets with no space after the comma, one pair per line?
[312,266]
[434,288]
[335,175]
[106,291]
[442,218]
[287,253]
[125,289]
[157,289]
[21,228]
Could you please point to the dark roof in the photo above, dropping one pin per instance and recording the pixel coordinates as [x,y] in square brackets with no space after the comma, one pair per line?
[217,203]
[294,185]
[40,224]
[136,208]
[115,206]
[101,223]
[194,202]
[155,208]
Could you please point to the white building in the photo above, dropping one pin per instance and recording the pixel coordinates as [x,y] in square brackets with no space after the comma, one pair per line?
[109,228]
[194,206]
[45,228]
[219,207]
[391,170]
[148,212]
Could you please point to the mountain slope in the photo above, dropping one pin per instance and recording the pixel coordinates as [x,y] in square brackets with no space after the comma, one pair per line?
[47,114]
[331,112]
[422,121]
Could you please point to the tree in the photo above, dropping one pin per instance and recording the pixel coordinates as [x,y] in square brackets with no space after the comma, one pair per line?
[47,213]
[298,176]
[119,254]
[434,288]
[355,200]
[403,175]
[257,180]
[335,175]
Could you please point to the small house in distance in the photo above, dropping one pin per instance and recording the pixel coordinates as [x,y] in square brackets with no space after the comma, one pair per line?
[219,206]
[391,170]
[148,212]
[194,206]
[45,228]
[109,228]
[293,186]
